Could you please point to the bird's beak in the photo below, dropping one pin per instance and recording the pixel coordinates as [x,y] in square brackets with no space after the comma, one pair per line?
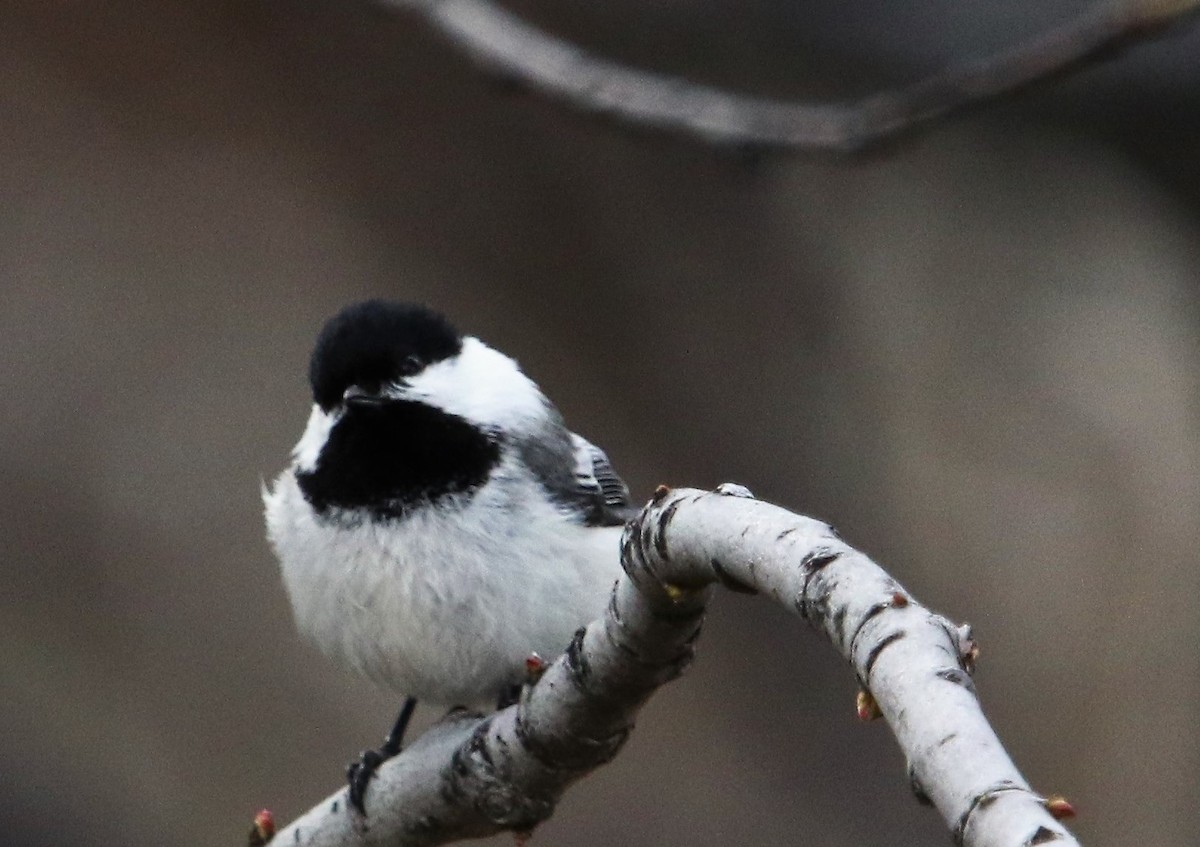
[357,398]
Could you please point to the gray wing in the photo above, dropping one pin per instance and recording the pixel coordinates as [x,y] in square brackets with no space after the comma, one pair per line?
[600,485]
[577,476]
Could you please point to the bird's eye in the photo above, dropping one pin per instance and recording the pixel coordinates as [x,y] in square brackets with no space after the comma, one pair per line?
[410,365]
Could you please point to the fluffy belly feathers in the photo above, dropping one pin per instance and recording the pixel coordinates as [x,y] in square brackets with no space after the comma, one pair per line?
[433,611]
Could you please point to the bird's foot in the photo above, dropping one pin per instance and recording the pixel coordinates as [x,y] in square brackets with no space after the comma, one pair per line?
[359,773]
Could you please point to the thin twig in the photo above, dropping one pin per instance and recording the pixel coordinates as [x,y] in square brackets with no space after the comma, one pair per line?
[506,45]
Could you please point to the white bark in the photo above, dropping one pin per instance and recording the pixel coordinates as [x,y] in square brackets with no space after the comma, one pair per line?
[472,776]
[510,47]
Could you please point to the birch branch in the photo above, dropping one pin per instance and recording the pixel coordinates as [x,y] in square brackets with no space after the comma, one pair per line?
[472,776]
[505,45]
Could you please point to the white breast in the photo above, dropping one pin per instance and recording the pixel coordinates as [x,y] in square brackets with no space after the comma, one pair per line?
[444,605]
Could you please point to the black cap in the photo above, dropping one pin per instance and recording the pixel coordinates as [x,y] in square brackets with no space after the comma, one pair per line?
[377,342]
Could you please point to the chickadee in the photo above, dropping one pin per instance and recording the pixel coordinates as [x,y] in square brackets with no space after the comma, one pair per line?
[438,523]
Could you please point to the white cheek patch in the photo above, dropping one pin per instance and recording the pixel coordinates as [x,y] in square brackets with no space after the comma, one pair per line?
[308,448]
[481,385]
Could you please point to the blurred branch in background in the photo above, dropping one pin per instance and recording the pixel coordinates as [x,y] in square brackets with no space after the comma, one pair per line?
[471,778]
[506,45]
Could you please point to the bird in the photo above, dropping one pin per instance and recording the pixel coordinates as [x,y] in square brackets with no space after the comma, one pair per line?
[438,524]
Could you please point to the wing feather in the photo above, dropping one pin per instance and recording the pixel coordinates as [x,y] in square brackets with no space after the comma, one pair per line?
[599,484]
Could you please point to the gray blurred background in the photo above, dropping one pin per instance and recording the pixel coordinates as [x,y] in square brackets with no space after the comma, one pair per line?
[974,351]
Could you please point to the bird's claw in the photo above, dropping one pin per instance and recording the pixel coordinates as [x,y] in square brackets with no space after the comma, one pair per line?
[359,775]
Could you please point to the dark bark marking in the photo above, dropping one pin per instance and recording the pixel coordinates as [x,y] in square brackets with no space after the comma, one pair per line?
[627,553]
[957,677]
[664,520]
[730,581]
[576,662]
[878,649]
[646,537]
[813,611]
[918,789]
[979,800]
[1042,835]
[839,624]
[818,559]
[875,610]
[817,611]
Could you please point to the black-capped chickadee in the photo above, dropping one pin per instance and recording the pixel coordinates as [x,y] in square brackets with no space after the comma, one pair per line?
[438,523]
